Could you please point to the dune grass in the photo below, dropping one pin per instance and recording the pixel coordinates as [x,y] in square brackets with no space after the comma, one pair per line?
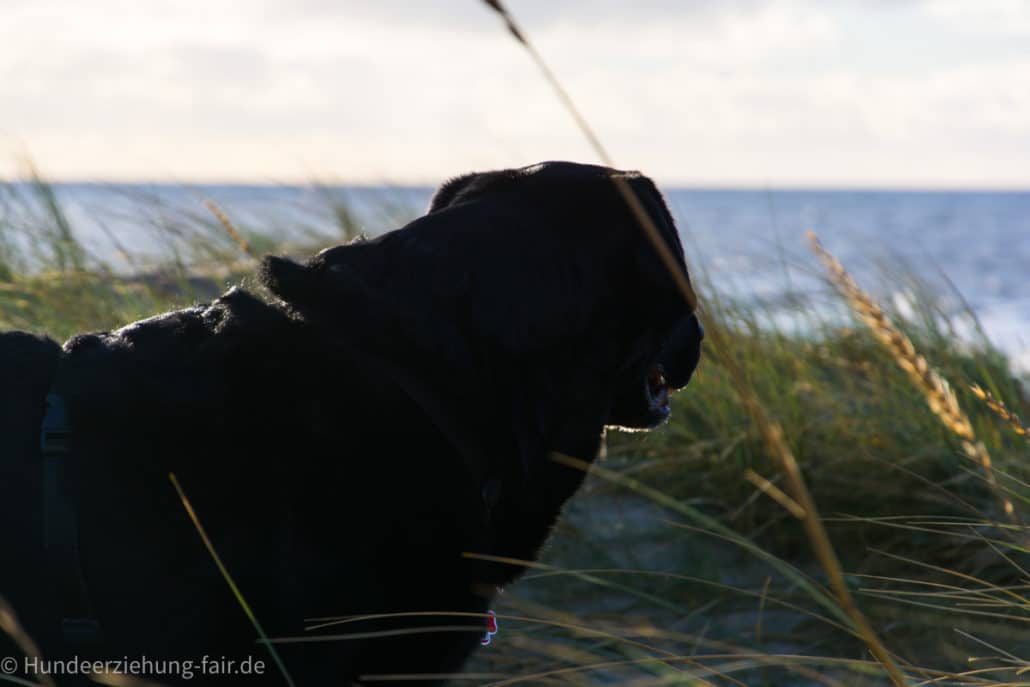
[685,559]
[672,541]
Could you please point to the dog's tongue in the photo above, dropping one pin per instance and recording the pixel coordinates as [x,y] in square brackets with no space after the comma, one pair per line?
[657,389]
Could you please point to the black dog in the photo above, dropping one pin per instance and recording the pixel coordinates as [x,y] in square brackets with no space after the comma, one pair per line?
[397,405]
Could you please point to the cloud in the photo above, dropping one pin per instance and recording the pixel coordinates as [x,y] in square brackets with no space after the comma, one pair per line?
[740,91]
[992,16]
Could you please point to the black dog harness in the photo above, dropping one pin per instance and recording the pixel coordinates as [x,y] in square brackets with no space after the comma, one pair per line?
[78,622]
[60,527]
[61,531]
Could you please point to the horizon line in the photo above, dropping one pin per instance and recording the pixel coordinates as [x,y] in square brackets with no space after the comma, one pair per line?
[681,185]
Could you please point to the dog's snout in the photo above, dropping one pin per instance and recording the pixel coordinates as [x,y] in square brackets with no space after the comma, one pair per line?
[682,350]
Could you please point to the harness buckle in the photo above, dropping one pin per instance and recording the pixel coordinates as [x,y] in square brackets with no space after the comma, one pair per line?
[55,437]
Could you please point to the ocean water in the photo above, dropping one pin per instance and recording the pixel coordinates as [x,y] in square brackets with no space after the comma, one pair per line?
[970,248]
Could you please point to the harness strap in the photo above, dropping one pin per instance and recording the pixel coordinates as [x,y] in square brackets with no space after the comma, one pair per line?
[60,528]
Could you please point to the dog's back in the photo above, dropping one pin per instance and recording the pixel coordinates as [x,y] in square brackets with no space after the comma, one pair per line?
[27,366]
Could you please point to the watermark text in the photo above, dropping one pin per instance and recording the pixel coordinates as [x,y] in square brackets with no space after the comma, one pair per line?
[142,667]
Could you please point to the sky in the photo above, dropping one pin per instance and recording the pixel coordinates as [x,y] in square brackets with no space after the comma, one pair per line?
[758,93]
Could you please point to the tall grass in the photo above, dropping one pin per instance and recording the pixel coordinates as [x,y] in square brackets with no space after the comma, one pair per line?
[51,281]
[672,544]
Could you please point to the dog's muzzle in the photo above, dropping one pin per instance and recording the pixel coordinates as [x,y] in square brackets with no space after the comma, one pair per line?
[682,352]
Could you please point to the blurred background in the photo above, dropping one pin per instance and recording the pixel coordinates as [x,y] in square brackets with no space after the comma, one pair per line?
[898,130]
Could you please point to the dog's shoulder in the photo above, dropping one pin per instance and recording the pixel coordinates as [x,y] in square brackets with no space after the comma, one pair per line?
[165,336]
[23,351]
[187,358]
[27,365]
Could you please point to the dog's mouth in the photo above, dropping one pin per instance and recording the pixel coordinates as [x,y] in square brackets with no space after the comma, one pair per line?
[656,390]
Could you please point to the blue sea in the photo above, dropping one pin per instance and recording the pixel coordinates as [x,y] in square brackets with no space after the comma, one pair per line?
[969,248]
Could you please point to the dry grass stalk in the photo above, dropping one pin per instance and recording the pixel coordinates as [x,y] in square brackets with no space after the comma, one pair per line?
[624,189]
[775,493]
[230,228]
[817,534]
[186,504]
[770,429]
[938,393]
[10,626]
[1001,410]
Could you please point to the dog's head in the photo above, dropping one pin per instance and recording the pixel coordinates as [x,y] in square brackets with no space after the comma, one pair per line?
[534,286]
[659,337]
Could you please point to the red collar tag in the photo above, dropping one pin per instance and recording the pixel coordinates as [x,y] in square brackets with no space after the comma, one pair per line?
[491,629]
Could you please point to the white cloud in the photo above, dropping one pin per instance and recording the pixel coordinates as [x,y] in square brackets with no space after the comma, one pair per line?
[744,91]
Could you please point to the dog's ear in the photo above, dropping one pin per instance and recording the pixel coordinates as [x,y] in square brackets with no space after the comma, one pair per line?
[466,187]
[665,303]
[290,281]
[654,204]
[449,192]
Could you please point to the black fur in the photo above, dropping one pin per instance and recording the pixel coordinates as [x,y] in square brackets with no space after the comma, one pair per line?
[345,444]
